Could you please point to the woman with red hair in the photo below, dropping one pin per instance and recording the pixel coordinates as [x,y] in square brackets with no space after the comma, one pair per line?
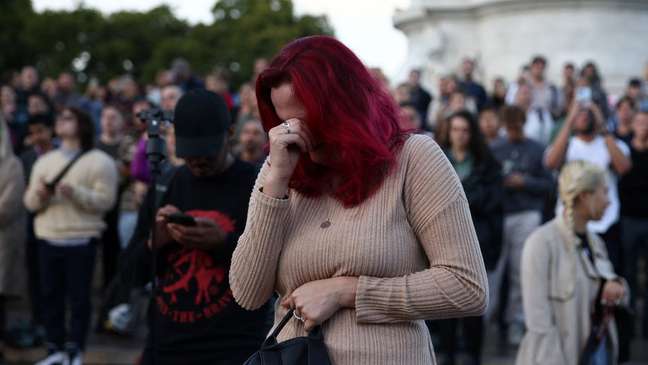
[356,224]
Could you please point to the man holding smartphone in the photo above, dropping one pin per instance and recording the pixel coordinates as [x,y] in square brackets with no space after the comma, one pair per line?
[202,214]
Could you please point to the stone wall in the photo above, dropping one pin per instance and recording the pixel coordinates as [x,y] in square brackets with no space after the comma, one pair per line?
[505,34]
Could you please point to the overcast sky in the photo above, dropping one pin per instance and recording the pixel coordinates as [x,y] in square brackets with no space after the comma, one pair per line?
[363,25]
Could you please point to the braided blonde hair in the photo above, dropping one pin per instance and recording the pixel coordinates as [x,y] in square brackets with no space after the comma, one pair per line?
[575,178]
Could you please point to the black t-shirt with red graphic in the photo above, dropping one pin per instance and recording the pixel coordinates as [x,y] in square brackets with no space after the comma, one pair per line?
[198,321]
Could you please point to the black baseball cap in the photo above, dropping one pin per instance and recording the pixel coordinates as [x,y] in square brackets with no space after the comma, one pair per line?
[201,120]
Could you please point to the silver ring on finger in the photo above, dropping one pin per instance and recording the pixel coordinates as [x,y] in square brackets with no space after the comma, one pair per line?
[297,316]
[286,125]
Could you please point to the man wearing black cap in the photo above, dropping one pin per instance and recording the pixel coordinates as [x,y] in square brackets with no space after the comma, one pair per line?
[196,318]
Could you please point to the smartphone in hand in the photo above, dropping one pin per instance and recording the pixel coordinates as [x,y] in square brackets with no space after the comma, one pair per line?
[584,95]
[181,219]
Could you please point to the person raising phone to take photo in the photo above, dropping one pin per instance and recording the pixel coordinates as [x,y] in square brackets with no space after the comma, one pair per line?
[358,225]
[592,142]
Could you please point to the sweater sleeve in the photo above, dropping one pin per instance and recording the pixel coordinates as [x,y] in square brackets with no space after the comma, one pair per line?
[454,284]
[11,191]
[32,202]
[254,262]
[101,194]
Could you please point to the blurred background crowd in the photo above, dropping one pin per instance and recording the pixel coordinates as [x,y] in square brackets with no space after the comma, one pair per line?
[506,140]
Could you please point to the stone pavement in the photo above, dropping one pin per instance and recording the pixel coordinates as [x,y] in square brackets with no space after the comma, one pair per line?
[112,350]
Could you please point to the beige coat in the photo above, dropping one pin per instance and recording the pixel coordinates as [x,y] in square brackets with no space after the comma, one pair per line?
[12,219]
[559,288]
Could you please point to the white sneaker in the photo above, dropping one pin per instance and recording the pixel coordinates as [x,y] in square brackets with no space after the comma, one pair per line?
[76,359]
[55,358]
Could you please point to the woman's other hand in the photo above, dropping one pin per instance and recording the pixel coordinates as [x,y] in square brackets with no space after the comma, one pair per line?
[613,292]
[317,301]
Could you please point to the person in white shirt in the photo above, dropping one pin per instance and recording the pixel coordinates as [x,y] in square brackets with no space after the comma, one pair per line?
[592,142]
[544,95]
[539,122]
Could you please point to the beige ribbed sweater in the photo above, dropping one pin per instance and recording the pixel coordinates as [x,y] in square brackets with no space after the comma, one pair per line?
[412,245]
[93,179]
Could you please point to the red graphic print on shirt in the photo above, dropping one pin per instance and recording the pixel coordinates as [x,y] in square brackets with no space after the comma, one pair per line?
[194,285]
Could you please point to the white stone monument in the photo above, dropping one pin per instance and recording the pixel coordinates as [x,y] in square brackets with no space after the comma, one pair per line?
[503,35]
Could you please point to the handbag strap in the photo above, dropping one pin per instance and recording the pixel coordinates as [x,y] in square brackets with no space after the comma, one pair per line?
[51,186]
[282,324]
[314,334]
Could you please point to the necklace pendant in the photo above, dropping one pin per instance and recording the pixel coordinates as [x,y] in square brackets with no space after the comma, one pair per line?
[325,224]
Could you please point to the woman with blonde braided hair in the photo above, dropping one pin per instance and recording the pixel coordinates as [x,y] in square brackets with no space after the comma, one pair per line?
[568,283]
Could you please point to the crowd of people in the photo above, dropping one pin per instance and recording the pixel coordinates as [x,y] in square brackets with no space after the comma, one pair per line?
[508,148]
[74,178]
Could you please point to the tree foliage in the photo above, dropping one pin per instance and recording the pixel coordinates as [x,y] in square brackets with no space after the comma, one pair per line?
[141,43]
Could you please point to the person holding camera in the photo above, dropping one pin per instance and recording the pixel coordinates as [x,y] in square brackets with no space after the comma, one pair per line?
[194,318]
[70,189]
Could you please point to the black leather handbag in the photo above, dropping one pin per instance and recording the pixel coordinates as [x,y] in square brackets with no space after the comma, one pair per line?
[309,350]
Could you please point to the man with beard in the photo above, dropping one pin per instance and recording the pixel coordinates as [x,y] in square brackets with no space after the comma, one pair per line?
[194,317]
[252,140]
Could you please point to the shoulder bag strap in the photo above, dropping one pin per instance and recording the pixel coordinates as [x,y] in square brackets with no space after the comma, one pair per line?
[51,186]
[272,339]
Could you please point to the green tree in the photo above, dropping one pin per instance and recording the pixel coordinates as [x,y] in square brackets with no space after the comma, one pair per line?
[13,16]
[56,38]
[142,43]
[134,37]
[242,31]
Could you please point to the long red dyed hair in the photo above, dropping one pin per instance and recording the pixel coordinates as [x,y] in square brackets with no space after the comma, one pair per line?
[346,108]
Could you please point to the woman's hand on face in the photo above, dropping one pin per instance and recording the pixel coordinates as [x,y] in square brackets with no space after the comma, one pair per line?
[287,142]
[317,301]
[613,292]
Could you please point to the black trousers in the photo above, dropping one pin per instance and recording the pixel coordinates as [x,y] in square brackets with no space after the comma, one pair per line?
[110,245]
[624,320]
[33,273]
[473,336]
[66,275]
[3,320]
[635,245]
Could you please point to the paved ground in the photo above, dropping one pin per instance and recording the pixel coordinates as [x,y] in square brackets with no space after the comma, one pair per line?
[112,350]
[107,349]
